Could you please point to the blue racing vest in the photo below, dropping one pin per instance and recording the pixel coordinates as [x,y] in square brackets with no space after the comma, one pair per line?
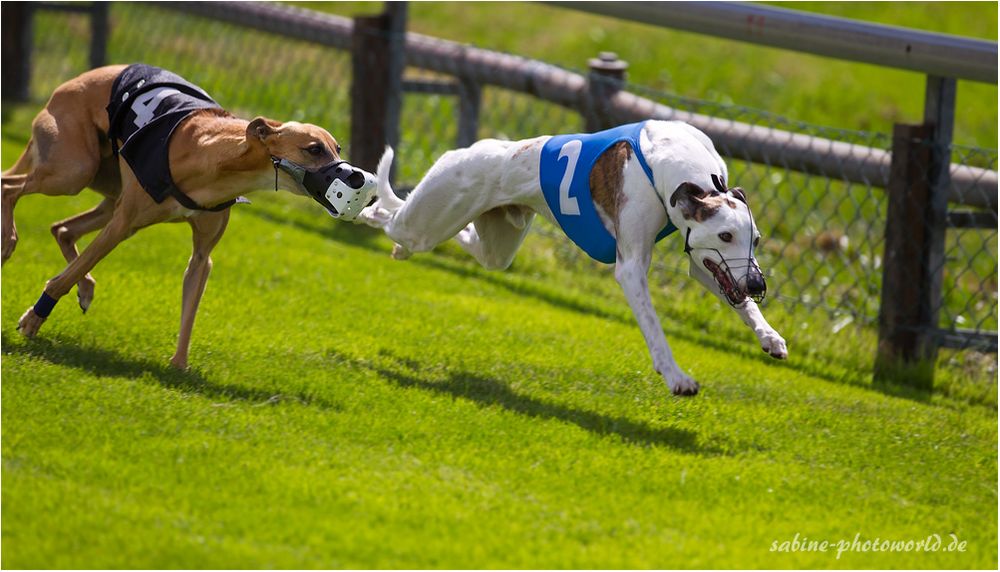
[564,174]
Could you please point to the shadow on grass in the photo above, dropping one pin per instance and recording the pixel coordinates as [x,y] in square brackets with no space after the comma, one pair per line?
[103,362]
[696,330]
[489,392]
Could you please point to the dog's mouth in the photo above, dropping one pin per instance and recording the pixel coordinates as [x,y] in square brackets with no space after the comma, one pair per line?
[726,283]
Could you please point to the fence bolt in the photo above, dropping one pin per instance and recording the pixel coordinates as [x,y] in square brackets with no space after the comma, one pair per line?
[608,64]
[606,78]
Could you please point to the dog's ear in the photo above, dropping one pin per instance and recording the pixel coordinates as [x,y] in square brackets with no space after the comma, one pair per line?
[738,192]
[688,197]
[261,128]
[719,182]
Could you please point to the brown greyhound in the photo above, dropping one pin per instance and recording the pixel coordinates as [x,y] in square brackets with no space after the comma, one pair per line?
[207,159]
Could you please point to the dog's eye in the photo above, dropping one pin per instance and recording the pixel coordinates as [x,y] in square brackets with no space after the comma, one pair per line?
[315,150]
[338,149]
[756,241]
[725,237]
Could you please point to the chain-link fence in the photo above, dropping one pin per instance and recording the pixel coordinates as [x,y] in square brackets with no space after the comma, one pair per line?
[824,231]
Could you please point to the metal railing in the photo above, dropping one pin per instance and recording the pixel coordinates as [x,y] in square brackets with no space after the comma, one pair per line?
[903,48]
[971,186]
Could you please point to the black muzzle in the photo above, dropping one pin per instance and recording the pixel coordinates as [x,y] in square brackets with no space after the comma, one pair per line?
[341,188]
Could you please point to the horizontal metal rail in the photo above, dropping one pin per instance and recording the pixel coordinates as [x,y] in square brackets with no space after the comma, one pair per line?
[432,87]
[972,219]
[931,53]
[844,161]
[961,339]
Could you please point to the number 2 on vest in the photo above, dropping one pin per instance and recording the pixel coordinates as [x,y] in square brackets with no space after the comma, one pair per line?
[145,106]
[571,150]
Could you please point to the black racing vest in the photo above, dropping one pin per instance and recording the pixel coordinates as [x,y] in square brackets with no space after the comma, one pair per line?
[147,104]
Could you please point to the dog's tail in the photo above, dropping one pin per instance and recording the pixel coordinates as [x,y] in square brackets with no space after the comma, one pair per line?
[25,163]
[386,197]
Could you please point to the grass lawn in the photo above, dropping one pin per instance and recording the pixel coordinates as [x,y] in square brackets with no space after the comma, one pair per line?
[345,410]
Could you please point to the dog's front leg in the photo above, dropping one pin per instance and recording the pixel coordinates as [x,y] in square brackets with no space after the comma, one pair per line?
[632,275]
[206,231]
[770,341]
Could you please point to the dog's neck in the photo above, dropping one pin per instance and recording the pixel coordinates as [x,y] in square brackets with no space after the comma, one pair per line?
[676,216]
[218,162]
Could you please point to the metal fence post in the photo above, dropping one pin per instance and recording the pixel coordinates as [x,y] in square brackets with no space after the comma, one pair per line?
[18,37]
[939,116]
[396,13]
[905,228]
[469,100]
[98,34]
[913,265]
[376,83]
[606,77]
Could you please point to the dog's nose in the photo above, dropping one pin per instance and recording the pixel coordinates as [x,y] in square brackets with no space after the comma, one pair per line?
[756,286]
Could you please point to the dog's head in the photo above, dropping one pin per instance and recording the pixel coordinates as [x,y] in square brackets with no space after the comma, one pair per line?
[720,238]
[310,156]
[301,143]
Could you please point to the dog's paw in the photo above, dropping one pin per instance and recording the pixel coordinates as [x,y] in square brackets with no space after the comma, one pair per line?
[399,252]
[29,323]
[374,216]
[85,292]
[683,385]
[179,362]
[774,344]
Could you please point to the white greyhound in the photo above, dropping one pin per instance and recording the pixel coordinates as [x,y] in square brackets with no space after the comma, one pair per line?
[637,183]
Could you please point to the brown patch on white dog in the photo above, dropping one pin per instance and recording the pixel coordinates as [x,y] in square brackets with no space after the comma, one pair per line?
[607,178]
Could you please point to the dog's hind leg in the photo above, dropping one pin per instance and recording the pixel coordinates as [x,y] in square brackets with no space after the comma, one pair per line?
[67,232]
[133,211]
[494,237]
[206,231]
[61,159]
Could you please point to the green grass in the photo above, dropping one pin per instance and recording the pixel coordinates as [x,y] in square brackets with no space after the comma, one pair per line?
[346,410]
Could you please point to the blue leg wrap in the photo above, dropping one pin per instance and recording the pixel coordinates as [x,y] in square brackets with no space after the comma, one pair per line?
[44,305]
